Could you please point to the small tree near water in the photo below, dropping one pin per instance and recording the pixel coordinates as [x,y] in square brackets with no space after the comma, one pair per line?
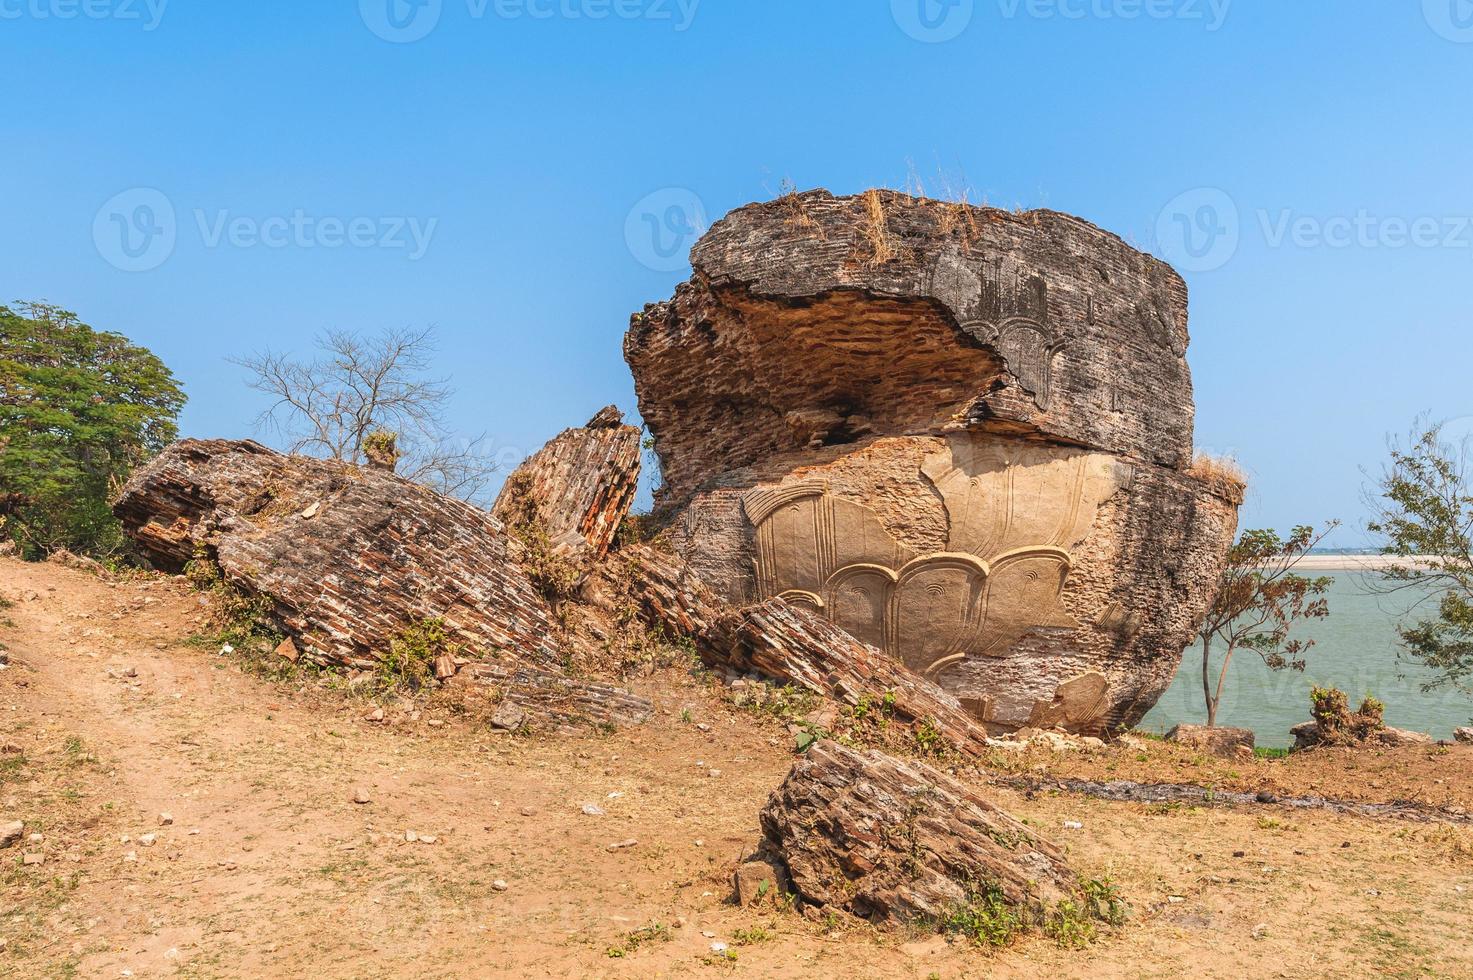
[1425,515]
[1258,601]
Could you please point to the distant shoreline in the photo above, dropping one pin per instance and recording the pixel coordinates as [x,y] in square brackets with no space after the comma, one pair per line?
[1358,563]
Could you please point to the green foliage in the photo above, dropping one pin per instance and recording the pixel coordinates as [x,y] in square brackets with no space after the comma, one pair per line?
[1258,602]
[1069,925]
[245,622]
[1427,517]
[1104,902]
[987,919]
[753,936]
[928,738]
[653,933]
[409,663]
[79,409]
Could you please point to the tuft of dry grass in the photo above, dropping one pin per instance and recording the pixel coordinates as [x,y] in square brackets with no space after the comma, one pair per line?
[797,210]
[876,228]
[1222,474]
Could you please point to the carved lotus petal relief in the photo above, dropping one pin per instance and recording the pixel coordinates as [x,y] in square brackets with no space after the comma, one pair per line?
[1014,513]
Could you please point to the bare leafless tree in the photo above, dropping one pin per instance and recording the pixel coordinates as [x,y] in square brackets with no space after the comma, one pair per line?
[359,386]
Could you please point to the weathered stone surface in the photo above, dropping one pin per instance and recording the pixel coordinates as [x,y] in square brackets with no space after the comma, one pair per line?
[900,842]
[536,699]
[755,881]
[668,591]
[350,557]
[1311,734]
[963,435]
[1218,741]
[793,646]
[1463,736]
[579,487]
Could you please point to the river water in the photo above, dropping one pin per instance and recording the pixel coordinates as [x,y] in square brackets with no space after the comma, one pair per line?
[1356,650]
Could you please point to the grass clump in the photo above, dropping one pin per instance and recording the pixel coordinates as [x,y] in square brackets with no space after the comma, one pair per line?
[409,663]
[239,620]
[990,921]
[555,576]
[1221,474]
[1337,724]
[987,919]
[656,932]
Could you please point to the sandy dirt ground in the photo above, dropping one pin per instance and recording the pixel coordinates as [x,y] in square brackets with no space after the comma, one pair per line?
[110,719]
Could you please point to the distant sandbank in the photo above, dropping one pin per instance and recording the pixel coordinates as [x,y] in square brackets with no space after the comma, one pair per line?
[1358,563]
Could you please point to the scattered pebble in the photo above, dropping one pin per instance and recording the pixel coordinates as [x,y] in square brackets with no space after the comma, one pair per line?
[166,819]
[361,797]
[410,837]
[131,857]
[34,858]
[592,810]
[718,947]
[624,845]
[714,774]
[528,811]
[499,885]
[148,840]
[1073,825]
[36,838]
[1175,899]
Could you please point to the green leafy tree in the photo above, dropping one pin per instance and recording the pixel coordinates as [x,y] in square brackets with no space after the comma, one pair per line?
[1258,601]
[79,409]
[1424,513]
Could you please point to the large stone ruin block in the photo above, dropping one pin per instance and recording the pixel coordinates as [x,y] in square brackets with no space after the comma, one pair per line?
[349,556]
[579,487]
[962,434]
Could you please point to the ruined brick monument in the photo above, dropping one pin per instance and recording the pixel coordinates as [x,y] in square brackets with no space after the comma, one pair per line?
[964,435]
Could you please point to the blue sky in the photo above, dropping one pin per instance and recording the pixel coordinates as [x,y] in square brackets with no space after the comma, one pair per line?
[1319,156]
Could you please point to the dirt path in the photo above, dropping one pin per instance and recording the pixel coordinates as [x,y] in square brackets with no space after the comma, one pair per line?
[269,867]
